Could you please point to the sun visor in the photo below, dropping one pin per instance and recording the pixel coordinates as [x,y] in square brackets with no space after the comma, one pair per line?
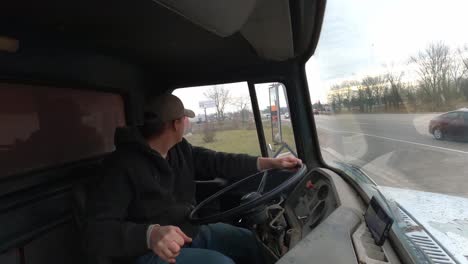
[269,30]
[222,17]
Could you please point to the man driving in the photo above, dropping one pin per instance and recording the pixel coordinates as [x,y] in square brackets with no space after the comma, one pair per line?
[140,203]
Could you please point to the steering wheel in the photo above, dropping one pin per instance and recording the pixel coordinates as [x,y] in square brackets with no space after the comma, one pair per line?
[250,201]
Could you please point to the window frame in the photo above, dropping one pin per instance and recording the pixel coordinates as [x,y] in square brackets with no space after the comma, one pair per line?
[293,77]
[255,106]
[18,181]
[253,101]
[452,115]
[258,118]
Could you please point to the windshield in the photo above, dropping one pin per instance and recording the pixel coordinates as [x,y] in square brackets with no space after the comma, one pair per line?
[381,75]
[389,90]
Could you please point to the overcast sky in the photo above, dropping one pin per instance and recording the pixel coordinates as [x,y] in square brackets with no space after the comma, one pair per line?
[359,37]
[191,97]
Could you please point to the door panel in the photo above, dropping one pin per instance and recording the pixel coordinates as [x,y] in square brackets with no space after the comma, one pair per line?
[464,129]
[456,126]
[57,246]
[10,257]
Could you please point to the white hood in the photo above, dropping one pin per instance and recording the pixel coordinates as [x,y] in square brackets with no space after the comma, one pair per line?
[445,217]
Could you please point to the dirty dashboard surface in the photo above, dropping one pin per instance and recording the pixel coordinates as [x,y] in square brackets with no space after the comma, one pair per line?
[317,222]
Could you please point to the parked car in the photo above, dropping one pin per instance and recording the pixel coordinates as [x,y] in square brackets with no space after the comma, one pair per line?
[316,111]
[452,125]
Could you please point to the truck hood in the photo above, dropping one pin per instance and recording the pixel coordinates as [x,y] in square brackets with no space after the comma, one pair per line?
[445,217]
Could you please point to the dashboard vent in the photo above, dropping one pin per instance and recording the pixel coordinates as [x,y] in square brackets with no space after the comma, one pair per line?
[368,252]
[424,241]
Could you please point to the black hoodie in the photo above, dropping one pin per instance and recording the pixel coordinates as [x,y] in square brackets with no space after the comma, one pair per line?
[138,187]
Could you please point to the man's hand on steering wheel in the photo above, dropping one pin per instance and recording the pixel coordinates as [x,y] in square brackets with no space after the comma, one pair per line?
[287,162]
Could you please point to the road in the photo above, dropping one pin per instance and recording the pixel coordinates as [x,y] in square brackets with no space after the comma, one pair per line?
[396,150]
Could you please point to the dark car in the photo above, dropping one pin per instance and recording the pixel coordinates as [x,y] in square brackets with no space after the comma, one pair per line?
[450,125]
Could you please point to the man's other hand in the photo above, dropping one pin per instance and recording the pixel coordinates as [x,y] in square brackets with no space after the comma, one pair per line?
[288,162]
[166,242]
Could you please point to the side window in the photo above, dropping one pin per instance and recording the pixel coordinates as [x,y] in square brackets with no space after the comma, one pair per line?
[276,119]
[223,118]
[46,126]
[465,117]
[453,115]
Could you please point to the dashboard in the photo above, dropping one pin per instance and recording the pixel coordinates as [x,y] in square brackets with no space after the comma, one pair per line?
[318,220]
[311,201]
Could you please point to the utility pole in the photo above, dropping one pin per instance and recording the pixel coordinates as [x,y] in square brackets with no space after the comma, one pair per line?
[206,118]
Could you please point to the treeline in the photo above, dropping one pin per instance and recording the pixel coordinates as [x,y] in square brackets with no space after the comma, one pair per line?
[441,84]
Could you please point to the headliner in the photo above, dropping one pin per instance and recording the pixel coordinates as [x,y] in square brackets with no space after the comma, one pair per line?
[147,34]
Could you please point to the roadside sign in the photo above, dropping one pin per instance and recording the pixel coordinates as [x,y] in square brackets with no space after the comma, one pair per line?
[207,104]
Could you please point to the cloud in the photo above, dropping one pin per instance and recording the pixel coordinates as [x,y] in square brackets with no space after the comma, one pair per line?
[358,37]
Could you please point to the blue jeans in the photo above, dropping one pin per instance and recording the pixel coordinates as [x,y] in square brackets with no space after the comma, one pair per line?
[215,244]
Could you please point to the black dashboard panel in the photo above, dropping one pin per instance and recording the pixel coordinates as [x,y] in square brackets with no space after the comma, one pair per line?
[313,199]
[330,242]
[317,223]
[327,210]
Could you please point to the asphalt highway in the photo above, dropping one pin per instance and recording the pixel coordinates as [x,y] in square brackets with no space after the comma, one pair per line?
[396,150]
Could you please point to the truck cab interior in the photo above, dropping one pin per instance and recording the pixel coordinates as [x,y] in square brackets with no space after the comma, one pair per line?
[73,71]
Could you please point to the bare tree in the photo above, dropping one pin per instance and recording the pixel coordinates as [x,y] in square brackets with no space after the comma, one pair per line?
[337,97]
[394,78]
[242,104]
[347,98]
[463,53]
[459,71]
[379,87]
[433,66]
[339,101]
[360,99]
[373,89]
[221,98]
[411,93]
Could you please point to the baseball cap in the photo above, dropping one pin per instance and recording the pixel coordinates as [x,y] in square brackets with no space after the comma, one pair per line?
[168,107]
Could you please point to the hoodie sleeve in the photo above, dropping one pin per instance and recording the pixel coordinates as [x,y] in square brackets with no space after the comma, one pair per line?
[109,234]
[210,164]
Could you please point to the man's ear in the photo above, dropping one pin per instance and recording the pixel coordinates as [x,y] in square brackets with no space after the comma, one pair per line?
[176,124]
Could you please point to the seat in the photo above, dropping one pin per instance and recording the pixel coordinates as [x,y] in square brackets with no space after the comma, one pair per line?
[79,209]
[80,196]
[80,192]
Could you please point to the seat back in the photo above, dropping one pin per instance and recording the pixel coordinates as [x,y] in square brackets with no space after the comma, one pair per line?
[80,192]
[79,209]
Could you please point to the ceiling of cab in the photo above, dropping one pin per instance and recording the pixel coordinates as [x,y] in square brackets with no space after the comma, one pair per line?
[218,36]
[266,25]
